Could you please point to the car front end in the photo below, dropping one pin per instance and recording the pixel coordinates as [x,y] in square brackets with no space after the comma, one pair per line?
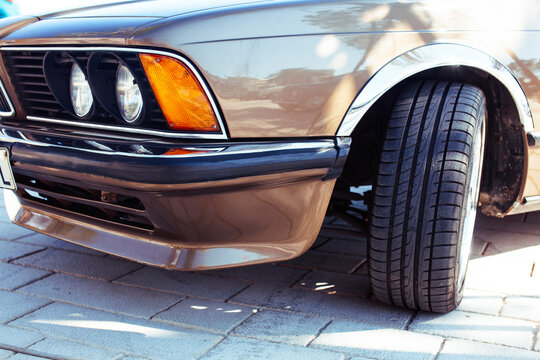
[125,149]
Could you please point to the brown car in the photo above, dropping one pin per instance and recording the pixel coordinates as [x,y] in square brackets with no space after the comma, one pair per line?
[209,134]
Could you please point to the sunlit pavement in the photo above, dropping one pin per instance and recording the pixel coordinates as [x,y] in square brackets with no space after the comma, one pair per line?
[59,300]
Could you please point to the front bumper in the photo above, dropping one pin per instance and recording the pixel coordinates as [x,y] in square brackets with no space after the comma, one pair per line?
[181,206]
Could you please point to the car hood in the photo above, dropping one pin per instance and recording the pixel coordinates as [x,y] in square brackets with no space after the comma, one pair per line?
[176,24]
[93,24]
[147,8]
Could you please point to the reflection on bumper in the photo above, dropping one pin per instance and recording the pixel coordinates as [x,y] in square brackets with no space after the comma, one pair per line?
[262,232]
[216,205]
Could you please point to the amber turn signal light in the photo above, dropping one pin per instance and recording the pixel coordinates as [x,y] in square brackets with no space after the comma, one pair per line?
[181,151]
[179,94]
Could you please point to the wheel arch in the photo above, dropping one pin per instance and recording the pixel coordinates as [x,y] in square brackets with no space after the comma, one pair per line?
[510,118]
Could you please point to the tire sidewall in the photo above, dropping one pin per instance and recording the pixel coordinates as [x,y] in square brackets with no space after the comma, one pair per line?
[479,135]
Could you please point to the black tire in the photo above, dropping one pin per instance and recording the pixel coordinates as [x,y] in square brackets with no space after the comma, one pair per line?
[425,195]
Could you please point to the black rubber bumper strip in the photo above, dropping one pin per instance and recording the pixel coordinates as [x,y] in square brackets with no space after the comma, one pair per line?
[233,161]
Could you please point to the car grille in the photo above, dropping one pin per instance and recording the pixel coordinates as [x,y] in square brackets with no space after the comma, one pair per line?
[5,107]
[28,75]
[113,208]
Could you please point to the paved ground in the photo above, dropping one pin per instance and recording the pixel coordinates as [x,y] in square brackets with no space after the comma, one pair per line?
[59,300]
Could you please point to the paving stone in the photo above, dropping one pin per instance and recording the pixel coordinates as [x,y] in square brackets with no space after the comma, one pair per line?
[13,336]
[13,305]
[234,348]
[329,220]
[78,264]
[320,240]
[508,273]
[481,302]
[508,224]
[184,283]
[4,354]
[207,314]
[263,273]
[462,349]
[470,326]
[65,349]
[348,233]
[10,231]
[478,246]
[332,283]
[376,342]
[132,336]
[345,247]
[10,250]
[363,269]
[101,295]
[339,222]
[282,327]
[532,217]
[322,261]
[319,304]
[14,276]
[498,240]
[522,308]
[48,241]
[21,356]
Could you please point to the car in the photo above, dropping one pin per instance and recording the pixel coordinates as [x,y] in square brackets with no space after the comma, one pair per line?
[203,135]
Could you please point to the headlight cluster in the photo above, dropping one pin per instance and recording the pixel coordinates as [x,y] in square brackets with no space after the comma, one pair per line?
[104,77]
[110,82]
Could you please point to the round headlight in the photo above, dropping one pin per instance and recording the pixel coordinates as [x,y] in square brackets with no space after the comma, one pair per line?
[81,95]
[128,95]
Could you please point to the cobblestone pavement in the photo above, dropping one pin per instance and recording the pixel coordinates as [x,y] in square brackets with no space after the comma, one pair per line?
[59,300]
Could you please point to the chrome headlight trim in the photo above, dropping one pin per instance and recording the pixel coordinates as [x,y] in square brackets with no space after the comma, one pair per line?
[11,109]
[170,134]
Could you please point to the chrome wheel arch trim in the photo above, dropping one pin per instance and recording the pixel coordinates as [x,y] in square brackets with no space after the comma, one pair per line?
[428,57]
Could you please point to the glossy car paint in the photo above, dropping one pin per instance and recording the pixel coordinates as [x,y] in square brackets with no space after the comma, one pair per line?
[258,56]
[210,227]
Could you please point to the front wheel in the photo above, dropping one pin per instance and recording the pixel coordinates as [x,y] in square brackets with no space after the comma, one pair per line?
[426,195]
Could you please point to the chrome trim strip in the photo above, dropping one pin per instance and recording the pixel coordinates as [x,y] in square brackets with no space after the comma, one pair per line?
[533,138]
[212,149]
[180,58]
[425,58]
[128,129]
[10,104]
[530,203]
[533,199]
[8,180]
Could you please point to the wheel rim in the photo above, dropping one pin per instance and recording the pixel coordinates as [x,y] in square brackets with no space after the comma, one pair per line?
[471,201]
